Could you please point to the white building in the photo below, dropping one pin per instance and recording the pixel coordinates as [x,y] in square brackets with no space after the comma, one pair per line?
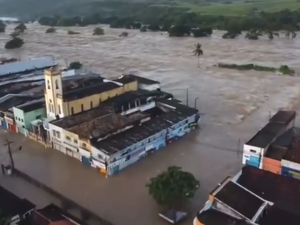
[255,149]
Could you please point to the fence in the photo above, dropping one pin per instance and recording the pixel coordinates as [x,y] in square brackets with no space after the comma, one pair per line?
[66,202]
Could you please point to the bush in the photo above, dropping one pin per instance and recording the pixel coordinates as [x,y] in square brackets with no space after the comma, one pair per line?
[202,32]
[75,65]
[153,27]
[284,69]
[247,67]
[179,31]
[98,31]
[124,34]
[21,27]
[14,43]
[72,32]
[143,29]
[50,30]
[229,35]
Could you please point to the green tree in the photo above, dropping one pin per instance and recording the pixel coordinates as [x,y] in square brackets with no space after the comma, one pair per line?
[75,65]
[15,33]
[50,30]
[21,28]
[98,31]
[198,52]
[16,42]
[153,27]
[253,34]
[143,29]
[2,27]
[173,187]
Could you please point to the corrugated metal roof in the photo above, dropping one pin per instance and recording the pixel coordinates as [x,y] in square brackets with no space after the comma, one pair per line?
[32,64]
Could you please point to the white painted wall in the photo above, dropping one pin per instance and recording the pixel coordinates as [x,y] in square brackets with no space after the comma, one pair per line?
[289,164]
[55,139]
[149,87]
[249,149]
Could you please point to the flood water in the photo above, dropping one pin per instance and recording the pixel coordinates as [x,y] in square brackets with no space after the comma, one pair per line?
[170,60]
[234,105]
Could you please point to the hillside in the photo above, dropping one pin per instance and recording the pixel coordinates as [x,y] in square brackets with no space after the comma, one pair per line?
[134,7]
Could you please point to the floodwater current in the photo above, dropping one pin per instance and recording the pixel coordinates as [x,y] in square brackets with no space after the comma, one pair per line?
[170,60]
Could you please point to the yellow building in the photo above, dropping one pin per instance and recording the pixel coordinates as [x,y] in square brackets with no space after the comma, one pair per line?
[72,95]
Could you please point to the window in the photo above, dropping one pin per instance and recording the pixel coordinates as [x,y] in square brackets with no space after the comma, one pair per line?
[48,84]
[16,118]
[23,126]
[58,134]
[100,156]
[91,104]
[54,133]
[84,145]
[22,120]
[49,106]
[56,84]
[186,121]
[72,110]
[59,109]
[75,141]
[38,117]
[253,151]
[68,138]
[82,107]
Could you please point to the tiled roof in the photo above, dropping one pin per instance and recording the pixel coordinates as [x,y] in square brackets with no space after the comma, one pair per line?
[214,217]
[282,191]
[283,116]
[266,135]
[239,199]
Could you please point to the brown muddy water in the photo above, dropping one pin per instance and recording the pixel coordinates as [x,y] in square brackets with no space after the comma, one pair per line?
[225,96]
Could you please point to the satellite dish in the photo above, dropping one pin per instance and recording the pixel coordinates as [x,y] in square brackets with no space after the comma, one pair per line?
[95,133]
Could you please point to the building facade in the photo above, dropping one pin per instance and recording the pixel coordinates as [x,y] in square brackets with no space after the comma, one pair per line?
[64,100]
[26,113]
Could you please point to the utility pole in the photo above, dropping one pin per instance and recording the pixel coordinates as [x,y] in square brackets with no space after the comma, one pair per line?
[187,96]
[8,143]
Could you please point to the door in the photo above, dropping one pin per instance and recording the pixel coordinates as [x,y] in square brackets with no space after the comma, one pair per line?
[116,169]
[85,161]
[70,152]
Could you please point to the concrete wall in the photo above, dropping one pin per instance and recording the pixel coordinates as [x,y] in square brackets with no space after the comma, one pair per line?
[19,120]
[33,115]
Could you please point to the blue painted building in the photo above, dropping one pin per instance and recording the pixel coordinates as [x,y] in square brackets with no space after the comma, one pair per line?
[126,148]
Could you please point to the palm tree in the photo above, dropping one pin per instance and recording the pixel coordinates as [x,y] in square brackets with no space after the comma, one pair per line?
[198,52]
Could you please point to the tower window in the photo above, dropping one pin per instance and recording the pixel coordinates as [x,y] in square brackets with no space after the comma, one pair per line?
[56,84]
[91,104]
[48,84]
[59,109]
[82,107]
[72,110]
